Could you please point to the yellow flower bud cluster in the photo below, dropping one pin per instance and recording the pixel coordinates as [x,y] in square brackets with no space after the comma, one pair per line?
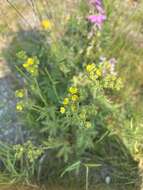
[113,82]
[28,150]
[88,124]
[20,94]
[31,66]
[93,72]
[103,73]
[71,100]
[20,106]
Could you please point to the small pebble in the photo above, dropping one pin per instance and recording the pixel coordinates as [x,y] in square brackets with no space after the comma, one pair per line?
[107,180]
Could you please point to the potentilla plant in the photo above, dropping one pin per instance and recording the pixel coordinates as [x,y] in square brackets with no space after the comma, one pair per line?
[65,102]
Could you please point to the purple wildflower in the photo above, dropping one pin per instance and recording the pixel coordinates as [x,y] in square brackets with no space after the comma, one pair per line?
[100,17]
[96,2]
[97,19]
[100,9]
[98,5]
[113,61]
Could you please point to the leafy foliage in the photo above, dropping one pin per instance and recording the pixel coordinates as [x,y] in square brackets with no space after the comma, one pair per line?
[69,95]
[66,89]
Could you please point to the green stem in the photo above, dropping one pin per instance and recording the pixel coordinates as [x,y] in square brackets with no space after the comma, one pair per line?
[87,174]
[53,84]
[22,73]
[39,92]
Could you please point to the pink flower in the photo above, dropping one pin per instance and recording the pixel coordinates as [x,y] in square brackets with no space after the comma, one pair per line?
[100,9]
[97,19]
[96,2]
[101,17]
[98,5]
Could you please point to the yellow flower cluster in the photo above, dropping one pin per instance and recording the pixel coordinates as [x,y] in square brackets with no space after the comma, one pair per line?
[119,84]
[93,71]
[28,150]
[66,101]
[90,67]
[62,110]
[20,106]
[73,90]
[46,24]
[74,98]
[88,124]
[31,65]
[20,94]
[71,99]
[113,82]
[106,73]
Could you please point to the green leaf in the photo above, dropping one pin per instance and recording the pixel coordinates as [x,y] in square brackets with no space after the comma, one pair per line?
[91,165]
[71,168]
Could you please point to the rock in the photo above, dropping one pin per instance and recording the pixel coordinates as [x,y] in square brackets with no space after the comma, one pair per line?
[107,180]
[10,130]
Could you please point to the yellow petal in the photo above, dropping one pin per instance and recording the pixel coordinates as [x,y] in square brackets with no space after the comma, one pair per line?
[66,101]
[62,110]
[74,98]
[73,90]
[46,24]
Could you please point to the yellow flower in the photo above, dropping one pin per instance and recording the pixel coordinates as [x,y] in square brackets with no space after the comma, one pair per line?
[98,72]
[31,65]
[90,67]
[33,70]
[46,24]
[62,110]
[74,98]
[92,75]
[19,106]
[73,90]
[66,101]
[19,93]
[25,65]
[29,62]
[88,125]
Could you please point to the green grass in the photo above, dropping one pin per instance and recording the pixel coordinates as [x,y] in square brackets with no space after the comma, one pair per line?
[124,43]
